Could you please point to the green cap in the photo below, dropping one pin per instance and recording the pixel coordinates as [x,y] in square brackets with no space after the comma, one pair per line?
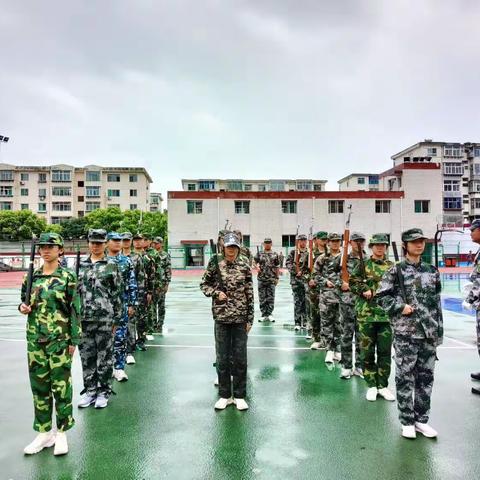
[50,238]
[379,239]
[97,235]
[267,240]
[158,239]
[302,236]
[322,235]
[413,234]
[334,236]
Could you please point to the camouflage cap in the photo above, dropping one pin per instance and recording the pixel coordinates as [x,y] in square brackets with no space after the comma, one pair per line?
[334,236]
[475,224]
[322,235]
[267,240]
[137,236]
[158,239]
[231,240]
[413,234]
[114,236]
[301,237]
[222,233]
[50,238]
[126,236]
[379,239]
[97,235]
[357,236]
[147,236]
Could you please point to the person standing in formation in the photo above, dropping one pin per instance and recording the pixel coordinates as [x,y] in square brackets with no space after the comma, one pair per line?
[165,279]
[153,258]
[268,274]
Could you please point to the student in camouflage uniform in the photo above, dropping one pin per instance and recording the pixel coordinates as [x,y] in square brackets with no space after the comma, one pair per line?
[101,290]
[473,297]
[53,332]
[298,281]
[268,273]
[327,275]
[418,330]
[348,315]
[320,248]
[374,324]
[231,287]
[129,299]
[166,278]
[244,250]
[139,269]
[152,254]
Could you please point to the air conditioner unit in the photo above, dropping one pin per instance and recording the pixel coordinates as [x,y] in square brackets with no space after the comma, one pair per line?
[42,198]
[22,183]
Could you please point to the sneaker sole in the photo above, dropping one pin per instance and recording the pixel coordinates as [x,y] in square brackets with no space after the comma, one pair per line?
[425,434]
[86,406]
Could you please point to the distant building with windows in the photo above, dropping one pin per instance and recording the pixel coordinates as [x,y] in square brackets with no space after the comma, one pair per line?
[60,192]
[359,182]
[215,185]
[156,201]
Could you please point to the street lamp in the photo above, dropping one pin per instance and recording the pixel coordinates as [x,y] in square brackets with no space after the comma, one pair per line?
[3,140]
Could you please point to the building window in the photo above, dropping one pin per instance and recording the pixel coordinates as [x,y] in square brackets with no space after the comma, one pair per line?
[61,176]
[194,206]
[422,206]
[382,206]
[450,168]
[451,185]
[277,186]
[206,185]
[304,186]
[6,191]
[62,191]
[453,151]
[288,240]
[335,206]
[133,193]
[432,151]
[24,206]
[133,206]
[361,180]
[113,177]
[262,187]
[133,178]
[247,187]
[61,206]
[92,192]
[235,186]
[42,178]
[24,192]
[92,176]
[317,187]
[113,193]
[476,152]
[476,202]
[373,180]
[191,187]
[42,207]
[81,198]
[452,203]
[246,240]
[242,206]
[24,177]
[91,206]
[42,192]
[5,205]
[289,206]
[59,220]
[6,176]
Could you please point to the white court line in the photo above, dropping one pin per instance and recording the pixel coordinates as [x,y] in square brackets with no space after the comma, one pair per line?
[459,342]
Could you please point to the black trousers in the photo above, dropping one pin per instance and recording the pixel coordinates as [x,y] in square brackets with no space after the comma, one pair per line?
[231,352]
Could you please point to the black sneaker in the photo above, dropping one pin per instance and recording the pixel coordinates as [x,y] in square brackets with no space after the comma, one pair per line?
[475,376]
[476,391]
[141,347]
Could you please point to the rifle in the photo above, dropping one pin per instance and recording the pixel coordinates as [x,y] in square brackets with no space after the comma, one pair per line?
[310,250]
[346,238]
[214,253]
[297,253]
[399,273]
[28,292]
[77,264]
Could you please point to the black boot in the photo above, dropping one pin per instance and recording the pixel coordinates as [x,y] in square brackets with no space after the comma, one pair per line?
[475,376]
[476,391]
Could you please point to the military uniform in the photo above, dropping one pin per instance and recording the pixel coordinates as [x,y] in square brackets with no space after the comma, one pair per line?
[374,323]
[52,326]
[269,265]
[165,265]
[416,336]
[101,289]
[231,318]
[154,257]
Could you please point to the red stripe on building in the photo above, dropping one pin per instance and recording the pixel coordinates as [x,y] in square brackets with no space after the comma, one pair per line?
[285,195]
[194,242]
[410,166]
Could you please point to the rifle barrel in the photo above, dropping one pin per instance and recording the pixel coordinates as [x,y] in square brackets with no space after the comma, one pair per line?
[28,292]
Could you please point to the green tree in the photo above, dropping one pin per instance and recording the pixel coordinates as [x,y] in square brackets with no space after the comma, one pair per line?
[21,225]
[74,228]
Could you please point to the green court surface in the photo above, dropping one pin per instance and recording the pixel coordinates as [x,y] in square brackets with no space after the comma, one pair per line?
[303,423]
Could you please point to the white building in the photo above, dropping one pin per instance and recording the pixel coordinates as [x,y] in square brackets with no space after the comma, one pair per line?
[359,182]
[238,185]
[156,201]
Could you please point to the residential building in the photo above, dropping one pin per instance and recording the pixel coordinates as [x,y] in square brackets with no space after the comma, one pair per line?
[239,185]
[359,182]
[156,201]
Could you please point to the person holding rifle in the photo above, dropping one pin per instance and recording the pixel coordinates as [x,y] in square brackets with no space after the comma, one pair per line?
[50,299]
[410,293]
[374,324]
[297,265]
[228,281]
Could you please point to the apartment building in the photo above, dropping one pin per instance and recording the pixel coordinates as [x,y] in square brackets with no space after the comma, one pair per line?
[238,185]
[359,182]
[156,202]
[60,192]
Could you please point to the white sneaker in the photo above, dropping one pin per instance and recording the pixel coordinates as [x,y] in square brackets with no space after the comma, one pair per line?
[270,317]
[329,357]
[372,394]
[42,440]
[240,403]
[215,382]
[149,337]
[358,372]
[86,400]
[101,401]
[386,394]
[223,403]
[297,328]
[346,373]
[130,360]
[408,431]
[61,445]
[426,430]
[120,375]
[308,336]
[315,346]
[337,356]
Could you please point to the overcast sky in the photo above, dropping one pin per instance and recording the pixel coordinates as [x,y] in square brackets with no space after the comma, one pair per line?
[236,89]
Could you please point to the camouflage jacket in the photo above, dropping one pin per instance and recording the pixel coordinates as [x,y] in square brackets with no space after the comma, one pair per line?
[246,254]
[302,266]
[139,270]
[369,310]
[149,271]
[55,306]
[423,287]
[473,296]
[315,290]
[349,297]
[127,269]
[154,257]
[236,282]
[166,266]
[329,267]
[269,264]
[101,289]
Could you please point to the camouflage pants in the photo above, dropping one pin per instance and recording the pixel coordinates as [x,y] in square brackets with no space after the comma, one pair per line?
[49,368]
[331,324]
[96,352]
[349,330]
[132,333]
[376,338]
[299,303]
[231,359]
[141,318]
[120,342]
[314,314]
[415,363]
[266,297]
[160,311]
[478,331]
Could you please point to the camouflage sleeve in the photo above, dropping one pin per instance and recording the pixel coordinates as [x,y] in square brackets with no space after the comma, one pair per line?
[290,262]
[257,258]
[116,295]
[473,296]
[249,294]
[209,283]
[132,288]
[317,271]
[357,283]
[387,293]
[168,269]
[140,276]
[149,274]
[73,301]
[23,293]
[438,285]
